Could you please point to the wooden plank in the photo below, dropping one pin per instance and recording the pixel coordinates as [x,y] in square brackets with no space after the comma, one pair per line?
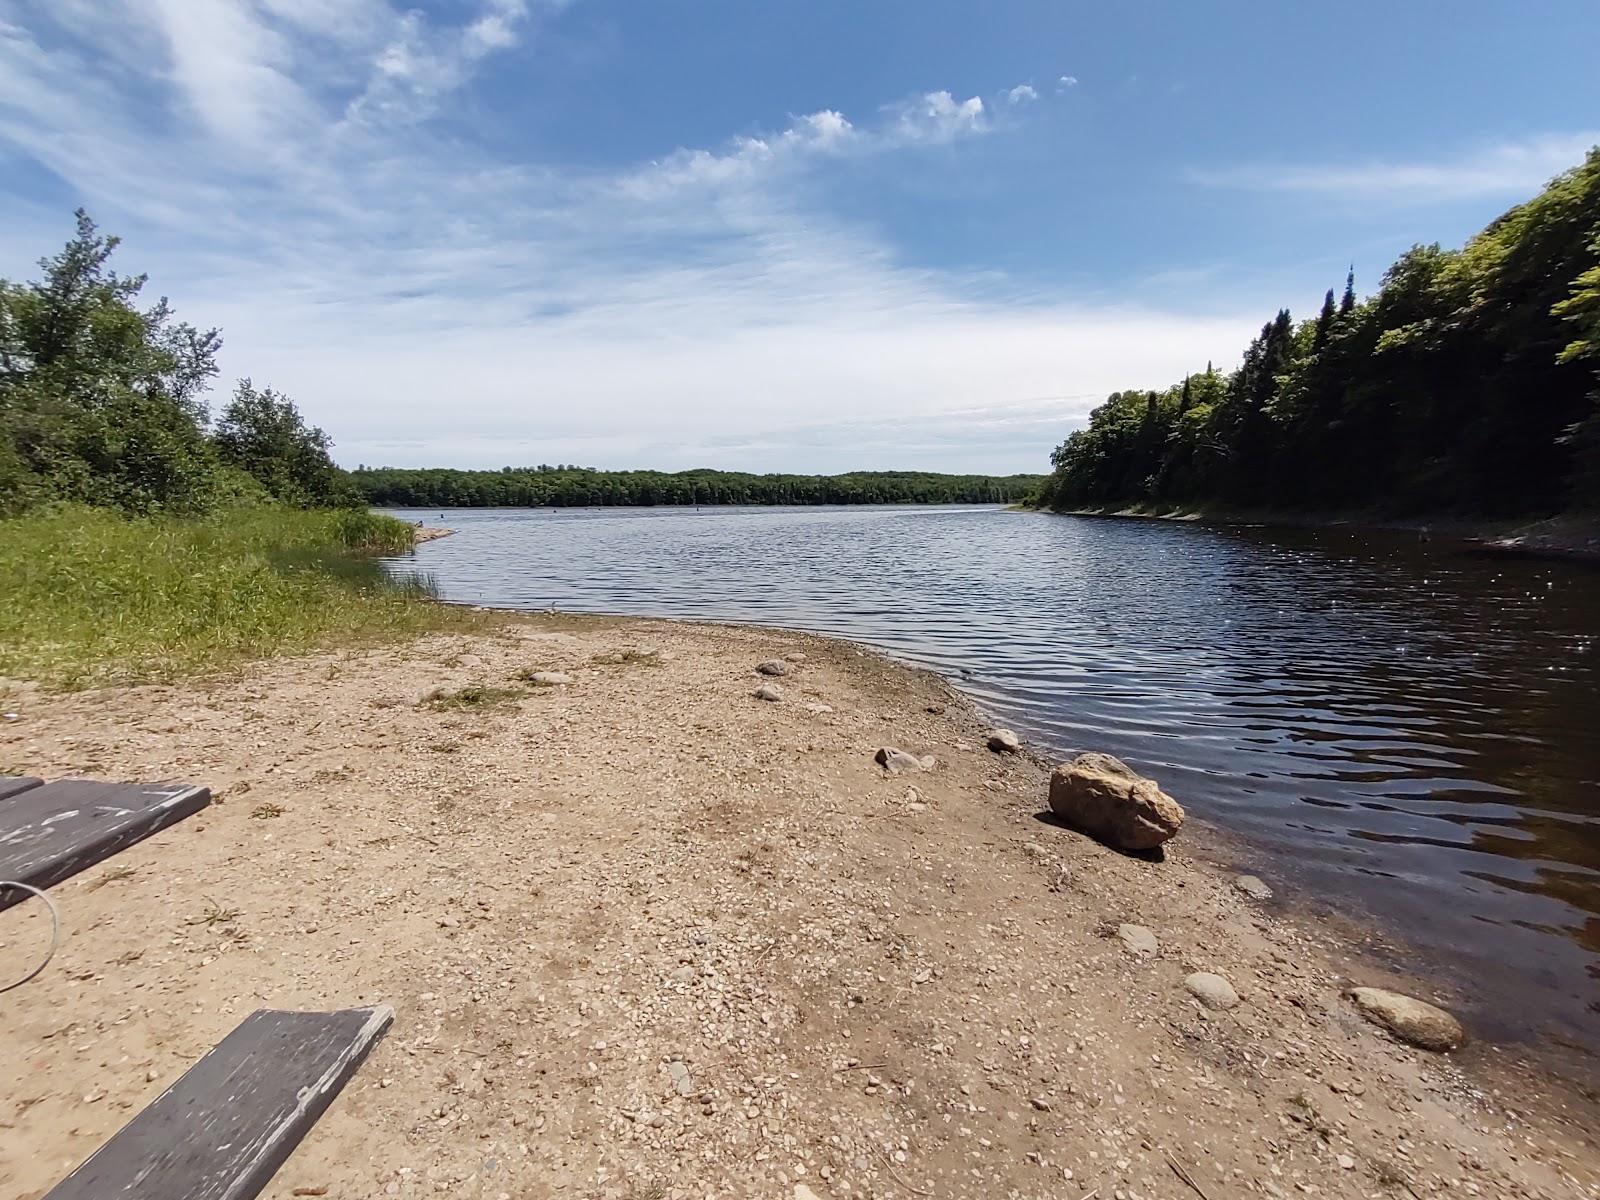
[50,833]
[223,1130]
[15,785]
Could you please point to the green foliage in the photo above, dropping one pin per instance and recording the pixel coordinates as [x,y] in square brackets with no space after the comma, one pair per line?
[262,433]
[99,399]
[562,487]
[1582,311]
[96,597]
[102,403]
[1466,384]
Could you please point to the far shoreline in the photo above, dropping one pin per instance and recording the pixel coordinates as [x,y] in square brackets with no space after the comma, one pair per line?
[1572,536]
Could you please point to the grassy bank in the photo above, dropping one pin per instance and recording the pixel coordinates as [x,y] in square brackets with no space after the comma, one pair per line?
[94,597]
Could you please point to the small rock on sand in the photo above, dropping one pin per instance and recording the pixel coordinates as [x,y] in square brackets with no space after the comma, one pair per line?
[1137,940]
[769,691]
[1253,887]
[548,678]
[796,657]
[1003,741]
[1412,1021]
[1213,991]
[802,1192]
[679,1074]
[773,666]
[893,760]
[819,710]
[1105,797]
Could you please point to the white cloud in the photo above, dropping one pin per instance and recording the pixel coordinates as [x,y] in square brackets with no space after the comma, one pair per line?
[937,117]
[1065,82]
[1022,92]
[228,66]
[420,62]
[427,303]
[928,119]
[1508,169]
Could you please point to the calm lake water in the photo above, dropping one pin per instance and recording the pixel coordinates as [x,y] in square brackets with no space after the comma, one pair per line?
[1403,729]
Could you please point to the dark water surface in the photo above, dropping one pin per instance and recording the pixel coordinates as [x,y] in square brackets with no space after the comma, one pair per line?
[1404,729]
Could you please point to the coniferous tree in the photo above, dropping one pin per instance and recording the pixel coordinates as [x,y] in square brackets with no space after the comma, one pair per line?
[1324,326]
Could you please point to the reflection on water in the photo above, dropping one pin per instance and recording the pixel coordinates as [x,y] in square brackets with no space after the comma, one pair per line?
[1403,727]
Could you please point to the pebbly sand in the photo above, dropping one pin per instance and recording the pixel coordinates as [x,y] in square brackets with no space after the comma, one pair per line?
[647,936]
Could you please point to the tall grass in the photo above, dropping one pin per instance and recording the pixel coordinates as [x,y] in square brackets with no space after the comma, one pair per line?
[88,596]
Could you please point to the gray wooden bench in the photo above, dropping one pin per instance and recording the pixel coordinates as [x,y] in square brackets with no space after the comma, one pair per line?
[50,832]
[12,785]
[222,1131]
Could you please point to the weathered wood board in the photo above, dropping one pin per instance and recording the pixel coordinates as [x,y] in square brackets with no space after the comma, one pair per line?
[52,832]
[13,785]
[222,1131]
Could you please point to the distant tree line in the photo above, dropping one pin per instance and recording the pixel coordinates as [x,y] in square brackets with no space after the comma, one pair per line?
[103,403]
[569,487]
[1470,383]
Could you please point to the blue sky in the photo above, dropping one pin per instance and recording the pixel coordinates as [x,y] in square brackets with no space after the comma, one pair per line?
[763,235]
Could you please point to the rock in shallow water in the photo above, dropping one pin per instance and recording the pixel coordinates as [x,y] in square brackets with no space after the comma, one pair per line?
[1105,797]
[1213,991]
[1412,1021]
[1003,741]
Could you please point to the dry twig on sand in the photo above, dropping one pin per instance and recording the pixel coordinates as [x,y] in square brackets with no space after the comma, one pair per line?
[901,1179]
[1181,1173]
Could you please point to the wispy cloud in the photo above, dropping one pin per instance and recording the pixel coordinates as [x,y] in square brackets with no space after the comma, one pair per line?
[1022,93]
[931,118]
[277,167]
[1506,169]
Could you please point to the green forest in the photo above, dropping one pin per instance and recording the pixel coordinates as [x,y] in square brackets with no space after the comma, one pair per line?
[1469,384]
[564,487]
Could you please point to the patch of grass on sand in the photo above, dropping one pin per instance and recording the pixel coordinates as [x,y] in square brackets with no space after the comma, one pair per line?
[478,696]
[93,597]
[627,658]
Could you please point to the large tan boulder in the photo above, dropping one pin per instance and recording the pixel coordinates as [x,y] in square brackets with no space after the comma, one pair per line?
[1411,1020]
[1103,796]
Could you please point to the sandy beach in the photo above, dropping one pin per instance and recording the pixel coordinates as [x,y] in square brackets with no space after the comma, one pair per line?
[648,936]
